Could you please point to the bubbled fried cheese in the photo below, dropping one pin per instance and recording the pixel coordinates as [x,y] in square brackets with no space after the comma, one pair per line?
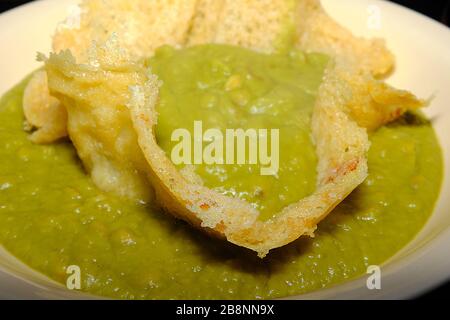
[110,101]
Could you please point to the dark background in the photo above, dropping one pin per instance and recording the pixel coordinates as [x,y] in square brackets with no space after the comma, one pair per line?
[436,9]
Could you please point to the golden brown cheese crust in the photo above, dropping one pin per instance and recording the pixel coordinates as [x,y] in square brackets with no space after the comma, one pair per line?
[318,32]
[253,24]
[95,96]
[45,116]
[143,25]
[117,144]
[257,24]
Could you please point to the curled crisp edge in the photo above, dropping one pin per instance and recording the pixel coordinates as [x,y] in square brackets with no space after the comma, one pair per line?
[46,118]
[342,149]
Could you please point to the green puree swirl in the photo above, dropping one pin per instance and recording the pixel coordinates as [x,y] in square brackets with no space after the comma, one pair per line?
[229,87]
[52,216]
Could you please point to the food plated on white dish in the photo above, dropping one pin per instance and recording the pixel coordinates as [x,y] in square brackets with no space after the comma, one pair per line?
[89,180]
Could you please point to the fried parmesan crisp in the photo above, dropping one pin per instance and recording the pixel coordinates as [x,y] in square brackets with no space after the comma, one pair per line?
[110,99]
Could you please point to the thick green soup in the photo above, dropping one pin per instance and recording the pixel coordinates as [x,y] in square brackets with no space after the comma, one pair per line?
[52,216]
[228,87]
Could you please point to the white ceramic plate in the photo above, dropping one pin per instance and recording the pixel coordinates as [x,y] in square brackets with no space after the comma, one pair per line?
[423,66]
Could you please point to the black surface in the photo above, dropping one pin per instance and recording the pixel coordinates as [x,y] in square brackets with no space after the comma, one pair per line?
[436,9]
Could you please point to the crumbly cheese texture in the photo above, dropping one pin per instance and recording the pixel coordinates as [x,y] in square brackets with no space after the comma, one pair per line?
[45,117]
[318,32]
[255,24]
[110,101]
[142,25]
[261,25]
[96,95]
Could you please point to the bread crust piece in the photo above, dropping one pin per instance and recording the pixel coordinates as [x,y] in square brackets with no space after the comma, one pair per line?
[318,32]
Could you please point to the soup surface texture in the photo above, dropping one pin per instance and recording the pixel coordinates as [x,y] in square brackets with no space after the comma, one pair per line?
[52,216]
